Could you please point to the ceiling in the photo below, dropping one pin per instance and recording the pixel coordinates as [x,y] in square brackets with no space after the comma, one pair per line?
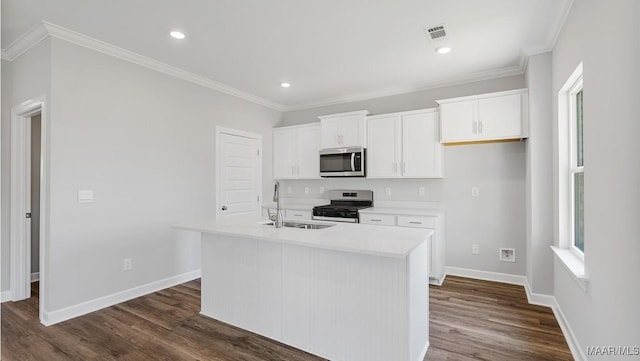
[330,51]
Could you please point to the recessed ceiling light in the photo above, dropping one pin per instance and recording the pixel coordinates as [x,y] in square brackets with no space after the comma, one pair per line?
[177,35]
[443,50]
[285,85]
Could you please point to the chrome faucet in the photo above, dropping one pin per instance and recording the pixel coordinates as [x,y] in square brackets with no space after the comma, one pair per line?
[276,218]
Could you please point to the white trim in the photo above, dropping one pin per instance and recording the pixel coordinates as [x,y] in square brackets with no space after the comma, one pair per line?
[35,277]
[574,265]
[569,336]
[486,275]
[5,296]
[51,318]
[554,33]
[239,133]
[483,96]
[26,41]
[533,298]
[20,249]
[44,29]
[539,299]
[464,79]
[20,285]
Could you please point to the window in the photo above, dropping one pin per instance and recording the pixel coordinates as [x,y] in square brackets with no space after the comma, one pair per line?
[570,152]
[576,166]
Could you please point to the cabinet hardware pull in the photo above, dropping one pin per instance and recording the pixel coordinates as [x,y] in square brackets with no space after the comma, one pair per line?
[475,127]
[376,220]
[480,127]
[415,222]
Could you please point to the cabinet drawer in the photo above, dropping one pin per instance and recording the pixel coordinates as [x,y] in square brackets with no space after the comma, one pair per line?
[418,221]
[379,219]
[297,214]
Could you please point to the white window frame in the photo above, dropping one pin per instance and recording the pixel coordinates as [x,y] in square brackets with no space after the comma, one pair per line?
[569,256]
[573,160]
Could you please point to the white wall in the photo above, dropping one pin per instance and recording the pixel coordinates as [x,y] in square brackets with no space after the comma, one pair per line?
[538,175]
[495,219]
[608,313]
[25,78]
[144,142]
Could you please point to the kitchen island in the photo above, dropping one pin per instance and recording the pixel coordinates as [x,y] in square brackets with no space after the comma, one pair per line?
[346,293]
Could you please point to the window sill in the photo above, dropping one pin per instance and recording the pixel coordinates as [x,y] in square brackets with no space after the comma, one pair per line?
[574,265]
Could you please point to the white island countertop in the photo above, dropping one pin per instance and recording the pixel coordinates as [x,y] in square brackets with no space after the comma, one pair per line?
[357,238]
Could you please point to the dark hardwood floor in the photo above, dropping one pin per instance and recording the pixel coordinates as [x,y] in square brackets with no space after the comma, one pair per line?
[469,320]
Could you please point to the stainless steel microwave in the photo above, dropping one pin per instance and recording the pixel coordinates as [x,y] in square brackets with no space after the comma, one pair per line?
[342,162]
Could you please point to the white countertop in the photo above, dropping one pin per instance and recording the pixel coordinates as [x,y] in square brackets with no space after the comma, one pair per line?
[358,238]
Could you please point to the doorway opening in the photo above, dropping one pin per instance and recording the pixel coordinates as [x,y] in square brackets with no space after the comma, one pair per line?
[29,186]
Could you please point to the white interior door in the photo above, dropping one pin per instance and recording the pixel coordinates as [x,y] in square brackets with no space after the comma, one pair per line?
[239,170]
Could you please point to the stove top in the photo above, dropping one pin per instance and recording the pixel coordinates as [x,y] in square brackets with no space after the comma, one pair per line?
[344,206]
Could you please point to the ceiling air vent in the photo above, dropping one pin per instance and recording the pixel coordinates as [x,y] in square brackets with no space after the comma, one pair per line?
[436,33]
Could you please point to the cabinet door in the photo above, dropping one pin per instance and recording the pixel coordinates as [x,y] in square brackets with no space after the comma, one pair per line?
[421,147]
[308,155]
[383,153]
[330,133]
[458,121]
[500,117]
[297,214]
[352,131]
[284,153]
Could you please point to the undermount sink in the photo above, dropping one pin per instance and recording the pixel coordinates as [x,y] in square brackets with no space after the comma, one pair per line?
[301,225]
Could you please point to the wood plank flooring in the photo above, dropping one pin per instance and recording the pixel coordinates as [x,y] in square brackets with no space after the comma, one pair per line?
[469,320]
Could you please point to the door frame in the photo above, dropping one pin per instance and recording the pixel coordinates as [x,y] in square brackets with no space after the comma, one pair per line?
[239,133]
[20,278]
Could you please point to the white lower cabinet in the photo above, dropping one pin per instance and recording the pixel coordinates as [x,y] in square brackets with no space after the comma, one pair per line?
[433,221]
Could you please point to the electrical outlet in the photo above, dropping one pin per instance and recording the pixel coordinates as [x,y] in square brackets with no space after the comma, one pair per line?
[321,190]
[306,190]
[421,191]
[508,255]
[288,190]
[475,249]
[387,191]
[475,191]
[127,264]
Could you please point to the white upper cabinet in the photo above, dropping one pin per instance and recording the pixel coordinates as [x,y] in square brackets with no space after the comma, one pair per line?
[404,145]
[296,152]
[343,130]
[485,117]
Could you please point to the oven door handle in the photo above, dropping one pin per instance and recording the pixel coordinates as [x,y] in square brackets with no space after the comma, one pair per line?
[353,161]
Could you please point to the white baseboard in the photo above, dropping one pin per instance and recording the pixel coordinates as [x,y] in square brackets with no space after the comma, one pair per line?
[53,317]
[35,277]
[569,336]
[487,276]
[532,298]
[5,296]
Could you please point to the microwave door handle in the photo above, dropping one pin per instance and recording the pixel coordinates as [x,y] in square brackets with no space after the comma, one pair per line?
[353,162]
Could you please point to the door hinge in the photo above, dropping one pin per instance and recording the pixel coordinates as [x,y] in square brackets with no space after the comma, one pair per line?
[27,215]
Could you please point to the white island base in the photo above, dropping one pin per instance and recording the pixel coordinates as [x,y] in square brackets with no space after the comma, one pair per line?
[337,304]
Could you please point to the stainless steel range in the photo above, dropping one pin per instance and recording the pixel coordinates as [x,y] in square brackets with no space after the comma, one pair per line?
[344,206]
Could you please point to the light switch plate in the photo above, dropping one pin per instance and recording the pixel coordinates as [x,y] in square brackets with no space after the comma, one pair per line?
[306,190]
[85,196]
[475,191]
[421,191]
[321,190]
[387,191]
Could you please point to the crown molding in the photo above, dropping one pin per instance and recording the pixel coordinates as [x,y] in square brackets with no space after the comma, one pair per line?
[467,78]
[44,29]
[556,28]
[26,41]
